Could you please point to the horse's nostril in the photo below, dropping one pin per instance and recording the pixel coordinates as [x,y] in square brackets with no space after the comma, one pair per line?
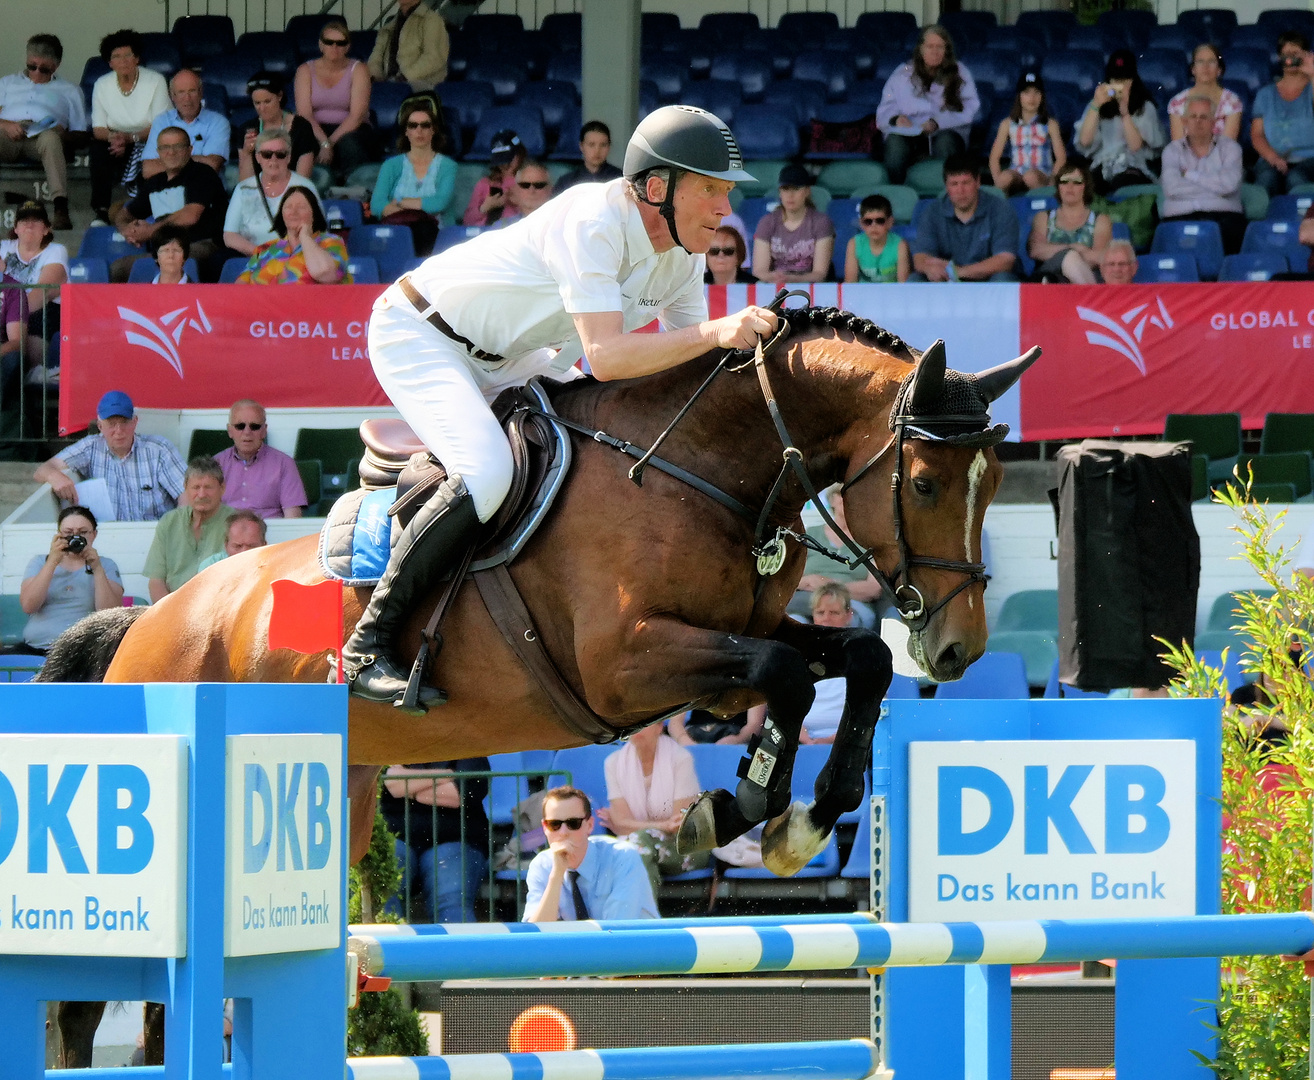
[951,658]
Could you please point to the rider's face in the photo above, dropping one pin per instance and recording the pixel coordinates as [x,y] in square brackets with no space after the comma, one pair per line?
[700,204]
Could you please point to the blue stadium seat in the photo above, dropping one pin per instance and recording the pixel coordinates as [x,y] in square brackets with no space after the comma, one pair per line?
[1094,39]
[752,71]
[1209,24]
[1051,27]
[828,67]
[386,100]
[670,77]
[1202,239]
[347,211]
[844,232]
[753,210]
[1024,49]
[861,52]
[1080,68]
[1276,235]
[144,270]
[466,101]
[1253,266]
[362,44]
[231,268]
[90,270]
[231,71]
[105,242]
[1174,39]
[995,69]
[159,52]
[766,131]
[994,675]
[659,26]
[1289,206]
[566,67]
[451,235]
[1250,66]
[968,26]
[1155,269]
[562,29]
[504,792]
[505,79]
[585,765]
[1276,20]
[201,37]
[808,27]
[1056,689]
[804,99]
[274,49]
[886,26]
[486,31]
[1132,27]
[390,245]
[557,104]
[568,123]
[1066,103]
[726,28]
[1120,231]
[525,122]
[1166,68]
[716,96]
[304,33]
[364,269]
[215,98]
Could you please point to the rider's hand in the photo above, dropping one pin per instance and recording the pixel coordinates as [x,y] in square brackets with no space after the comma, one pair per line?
[743,329]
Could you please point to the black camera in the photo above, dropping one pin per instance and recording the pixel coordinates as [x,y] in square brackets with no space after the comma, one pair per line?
[77,544]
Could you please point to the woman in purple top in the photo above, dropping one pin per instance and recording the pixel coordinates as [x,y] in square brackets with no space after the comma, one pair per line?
[796,240]
[333,96]
[927,105]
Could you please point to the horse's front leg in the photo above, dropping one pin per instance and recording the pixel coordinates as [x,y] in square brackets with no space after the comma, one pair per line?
[669,659]
[793,838]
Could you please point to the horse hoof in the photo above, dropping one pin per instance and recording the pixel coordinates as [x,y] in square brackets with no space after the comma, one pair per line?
[790,842]
[698,827]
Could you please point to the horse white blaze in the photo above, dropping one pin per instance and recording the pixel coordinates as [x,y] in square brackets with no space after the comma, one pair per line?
[974,473]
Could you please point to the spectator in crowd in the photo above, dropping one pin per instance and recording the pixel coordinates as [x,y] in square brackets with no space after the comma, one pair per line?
[491,201]
[725,258]
[42,117]
[256,476]
[191,532]
[927,105]
[441,867]
[865,596]
[1068,242]
[579,876]
[651,782]
[187,194]
[143,473]
[254,205]
[267,90]
[1207,67]
[33,257]
[1282,124]
[416,187]
[962,236]
[831,606]
[305,252]
[14,346]
[67,583]
[876,253]
[209,130]
[412,47]
[1118,267]
[333,95]
[124,105]
[594,146]
[243,531]
[1032,138]
[1119,131]
[169,247]
[533,187]
[795,241]
[1201,175]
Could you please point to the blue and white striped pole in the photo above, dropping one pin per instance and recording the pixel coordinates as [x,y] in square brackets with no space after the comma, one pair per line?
[817,946]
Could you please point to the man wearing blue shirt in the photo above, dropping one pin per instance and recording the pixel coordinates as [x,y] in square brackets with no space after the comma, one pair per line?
[962,236]
[578,876]
[209,130]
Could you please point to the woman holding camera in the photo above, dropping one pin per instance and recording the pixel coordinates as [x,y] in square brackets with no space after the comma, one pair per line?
[67,583]
[1120,131]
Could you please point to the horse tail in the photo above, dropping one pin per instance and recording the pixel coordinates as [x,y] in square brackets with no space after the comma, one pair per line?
[83,652]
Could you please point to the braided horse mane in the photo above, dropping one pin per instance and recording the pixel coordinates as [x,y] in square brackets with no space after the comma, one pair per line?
[829,318]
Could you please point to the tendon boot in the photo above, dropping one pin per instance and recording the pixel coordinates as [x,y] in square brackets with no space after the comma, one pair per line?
[432,540]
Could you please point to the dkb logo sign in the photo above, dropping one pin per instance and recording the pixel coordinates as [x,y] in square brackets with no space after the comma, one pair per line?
[1007,830]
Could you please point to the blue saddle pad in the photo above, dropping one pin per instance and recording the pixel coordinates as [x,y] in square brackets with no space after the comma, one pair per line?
[357,537]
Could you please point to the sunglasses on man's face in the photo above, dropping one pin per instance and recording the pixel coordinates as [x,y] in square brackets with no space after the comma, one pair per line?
[41,68]
[336,43]
[537,185]
[411,125]
[571,823]
[272,155]
[722,251]
[875,219]
[244,425]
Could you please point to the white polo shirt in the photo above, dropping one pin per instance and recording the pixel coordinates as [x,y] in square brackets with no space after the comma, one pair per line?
[512,291]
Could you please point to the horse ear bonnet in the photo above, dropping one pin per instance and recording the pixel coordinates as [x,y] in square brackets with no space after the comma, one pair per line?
[942,405]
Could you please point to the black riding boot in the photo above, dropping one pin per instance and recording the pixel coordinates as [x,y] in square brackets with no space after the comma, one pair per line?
[433,539]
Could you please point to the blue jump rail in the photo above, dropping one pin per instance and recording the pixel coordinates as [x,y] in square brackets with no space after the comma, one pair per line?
[847,1059]
[704,949]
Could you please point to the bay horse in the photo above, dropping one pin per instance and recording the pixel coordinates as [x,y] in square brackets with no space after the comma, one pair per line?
[649,599]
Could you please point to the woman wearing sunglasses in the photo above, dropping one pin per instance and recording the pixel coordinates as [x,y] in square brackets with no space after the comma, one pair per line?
[333,95]
[415,188]
[725,259]
[254,205]
[874,254]
[1068,243]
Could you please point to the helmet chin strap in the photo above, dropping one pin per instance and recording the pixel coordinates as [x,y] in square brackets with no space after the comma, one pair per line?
[667,209]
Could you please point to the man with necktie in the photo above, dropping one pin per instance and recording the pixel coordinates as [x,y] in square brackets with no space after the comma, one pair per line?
[580,876]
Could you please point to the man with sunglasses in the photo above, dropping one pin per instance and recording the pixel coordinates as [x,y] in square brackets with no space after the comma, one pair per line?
[579,876]
[533,187]
[256,476]
[577,279]
[41,116]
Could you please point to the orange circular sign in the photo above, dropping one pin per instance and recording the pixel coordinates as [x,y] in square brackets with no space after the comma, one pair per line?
[541,1027]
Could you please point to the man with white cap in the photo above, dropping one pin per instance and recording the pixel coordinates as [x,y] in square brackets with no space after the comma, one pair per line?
[578,278]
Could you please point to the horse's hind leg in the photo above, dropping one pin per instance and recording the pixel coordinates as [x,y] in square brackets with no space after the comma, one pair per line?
[78,1021]
[796,836]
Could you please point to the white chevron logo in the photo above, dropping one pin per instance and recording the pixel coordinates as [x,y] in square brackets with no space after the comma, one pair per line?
[162,337]
[1123,341]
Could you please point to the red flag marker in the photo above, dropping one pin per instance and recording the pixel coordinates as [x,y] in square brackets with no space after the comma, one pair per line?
[307,618]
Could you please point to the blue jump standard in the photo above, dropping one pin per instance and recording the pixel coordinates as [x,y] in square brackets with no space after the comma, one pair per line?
[703,949]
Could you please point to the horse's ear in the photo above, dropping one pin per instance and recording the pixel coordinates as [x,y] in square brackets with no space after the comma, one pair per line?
[997,380]
[928,382]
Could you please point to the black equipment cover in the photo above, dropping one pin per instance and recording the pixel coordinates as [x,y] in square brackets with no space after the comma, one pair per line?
[1129,561]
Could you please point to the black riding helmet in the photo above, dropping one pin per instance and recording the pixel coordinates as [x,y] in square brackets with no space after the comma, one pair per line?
[682,137]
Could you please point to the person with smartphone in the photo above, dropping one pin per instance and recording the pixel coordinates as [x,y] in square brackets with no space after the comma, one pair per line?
[492,199]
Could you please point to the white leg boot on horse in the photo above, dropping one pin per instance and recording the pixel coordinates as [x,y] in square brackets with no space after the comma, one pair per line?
[430,542]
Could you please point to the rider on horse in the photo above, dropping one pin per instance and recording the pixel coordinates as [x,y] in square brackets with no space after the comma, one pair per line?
[578,277]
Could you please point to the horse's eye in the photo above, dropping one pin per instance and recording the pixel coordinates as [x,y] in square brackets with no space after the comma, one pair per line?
[923,487]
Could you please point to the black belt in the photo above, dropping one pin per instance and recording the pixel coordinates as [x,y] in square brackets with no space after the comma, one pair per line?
[441,325]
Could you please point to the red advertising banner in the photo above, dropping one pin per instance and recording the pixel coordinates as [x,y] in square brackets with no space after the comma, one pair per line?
[1119,358]
[189,347]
